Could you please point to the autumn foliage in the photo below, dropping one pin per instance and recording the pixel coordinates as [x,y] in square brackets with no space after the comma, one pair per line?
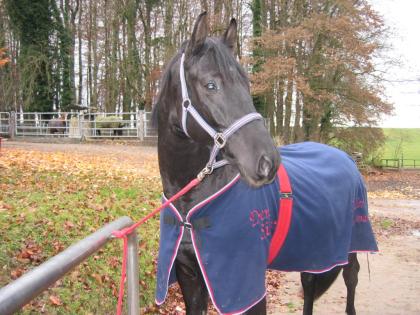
[3,59]
[317,69]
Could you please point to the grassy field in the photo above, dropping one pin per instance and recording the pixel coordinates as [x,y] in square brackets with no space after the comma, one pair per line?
[49,200]
[402,142]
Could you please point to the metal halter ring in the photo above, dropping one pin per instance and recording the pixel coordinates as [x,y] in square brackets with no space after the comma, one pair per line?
[219,140]
[205,171]
[186,103]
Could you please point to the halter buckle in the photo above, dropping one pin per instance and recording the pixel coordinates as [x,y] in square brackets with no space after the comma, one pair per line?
[219,140]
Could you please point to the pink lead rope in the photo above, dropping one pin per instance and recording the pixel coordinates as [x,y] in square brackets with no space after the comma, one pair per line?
[124,232]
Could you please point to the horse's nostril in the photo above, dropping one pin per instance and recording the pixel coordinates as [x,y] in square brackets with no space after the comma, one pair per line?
[264,166]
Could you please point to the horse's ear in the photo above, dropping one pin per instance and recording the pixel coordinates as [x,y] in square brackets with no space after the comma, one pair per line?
[198,36]
[231,36]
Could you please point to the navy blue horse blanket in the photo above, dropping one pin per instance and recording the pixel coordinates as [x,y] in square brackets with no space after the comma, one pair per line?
[311,228]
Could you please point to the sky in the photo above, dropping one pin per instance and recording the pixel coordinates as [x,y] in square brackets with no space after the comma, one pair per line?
[403,88]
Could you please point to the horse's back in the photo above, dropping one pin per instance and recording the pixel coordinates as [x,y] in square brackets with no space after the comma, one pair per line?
[319,161]
[328,193]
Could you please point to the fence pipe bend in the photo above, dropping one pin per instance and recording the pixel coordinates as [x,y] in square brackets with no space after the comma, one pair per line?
[21,291]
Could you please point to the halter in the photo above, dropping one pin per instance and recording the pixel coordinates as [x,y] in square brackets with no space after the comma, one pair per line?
[219,138]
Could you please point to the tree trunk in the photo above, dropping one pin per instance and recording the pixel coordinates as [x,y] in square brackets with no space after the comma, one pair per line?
[95,93]
[79,36]
[297,134]
[288,108]
[280,108]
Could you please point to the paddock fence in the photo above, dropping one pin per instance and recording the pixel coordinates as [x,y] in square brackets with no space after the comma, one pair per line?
[109,125]
[400,163]
[20,292]
[75,125]
[42,124]
[4,123]
[149,129]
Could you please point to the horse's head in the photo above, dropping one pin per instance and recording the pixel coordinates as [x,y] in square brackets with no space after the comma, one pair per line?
[219,90]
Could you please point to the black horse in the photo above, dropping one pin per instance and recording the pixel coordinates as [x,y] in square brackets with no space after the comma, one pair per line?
[218,88]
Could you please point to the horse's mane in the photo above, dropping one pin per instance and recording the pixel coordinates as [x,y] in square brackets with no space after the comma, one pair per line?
[163,85]
[222,58]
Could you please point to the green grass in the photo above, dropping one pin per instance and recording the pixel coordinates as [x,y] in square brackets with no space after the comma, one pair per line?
[292,308]
[386,223]
[402,142]
[43,212]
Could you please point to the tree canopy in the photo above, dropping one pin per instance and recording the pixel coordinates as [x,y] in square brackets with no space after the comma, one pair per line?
[312,62]
[318,63]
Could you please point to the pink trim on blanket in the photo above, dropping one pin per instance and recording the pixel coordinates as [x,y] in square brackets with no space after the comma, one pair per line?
[210,289]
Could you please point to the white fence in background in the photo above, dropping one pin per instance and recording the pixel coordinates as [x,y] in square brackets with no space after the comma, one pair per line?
[133,125]
[4,123]
[109,125]
[42,124]
[149,129]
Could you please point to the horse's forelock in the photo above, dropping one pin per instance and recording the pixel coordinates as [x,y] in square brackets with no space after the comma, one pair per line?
[225,60]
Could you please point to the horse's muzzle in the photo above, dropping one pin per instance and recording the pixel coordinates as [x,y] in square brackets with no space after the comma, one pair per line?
[265,167]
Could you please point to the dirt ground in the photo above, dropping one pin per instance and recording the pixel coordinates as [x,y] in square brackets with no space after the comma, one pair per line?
[392,286]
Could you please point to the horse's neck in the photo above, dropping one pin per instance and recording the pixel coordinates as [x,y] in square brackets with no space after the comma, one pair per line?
[180,162]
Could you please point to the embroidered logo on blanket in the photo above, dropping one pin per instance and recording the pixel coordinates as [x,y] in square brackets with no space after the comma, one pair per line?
[261,219]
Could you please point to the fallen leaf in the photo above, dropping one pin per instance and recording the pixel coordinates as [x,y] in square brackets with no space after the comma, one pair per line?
[55,300]
[16,273]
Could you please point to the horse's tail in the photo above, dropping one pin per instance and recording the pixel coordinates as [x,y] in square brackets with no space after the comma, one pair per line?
[325,280]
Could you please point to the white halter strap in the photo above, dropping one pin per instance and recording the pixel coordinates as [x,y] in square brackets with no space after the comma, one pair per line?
[219,138]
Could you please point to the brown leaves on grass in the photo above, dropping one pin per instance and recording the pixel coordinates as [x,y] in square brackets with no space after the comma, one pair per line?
[55,300]
[30,253]
[68,225]
[54,193]
[4,206]
[16,273]
[79,165]
[394,184]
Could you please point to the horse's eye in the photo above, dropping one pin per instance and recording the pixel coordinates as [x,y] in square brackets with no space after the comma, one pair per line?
[211,86]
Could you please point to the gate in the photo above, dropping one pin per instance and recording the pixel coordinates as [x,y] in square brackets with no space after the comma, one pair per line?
[109,125]
[149,130]
[43,124]
[4,123]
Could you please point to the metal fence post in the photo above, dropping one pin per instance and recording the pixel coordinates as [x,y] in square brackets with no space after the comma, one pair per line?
[140,125]
[80,125]
[133,305]
[12,125]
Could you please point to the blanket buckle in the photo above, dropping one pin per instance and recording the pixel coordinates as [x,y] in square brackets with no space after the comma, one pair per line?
[286,195]
[186,225]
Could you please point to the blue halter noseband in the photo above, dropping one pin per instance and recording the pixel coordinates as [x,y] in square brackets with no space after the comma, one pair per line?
[219,138]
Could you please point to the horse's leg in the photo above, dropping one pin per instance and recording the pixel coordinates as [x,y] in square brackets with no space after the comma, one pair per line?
[258,309]
[350,275]
[191,281]
[308,283]
[315,285]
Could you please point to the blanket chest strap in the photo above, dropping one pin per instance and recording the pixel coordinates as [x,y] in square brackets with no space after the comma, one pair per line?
[285,214]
